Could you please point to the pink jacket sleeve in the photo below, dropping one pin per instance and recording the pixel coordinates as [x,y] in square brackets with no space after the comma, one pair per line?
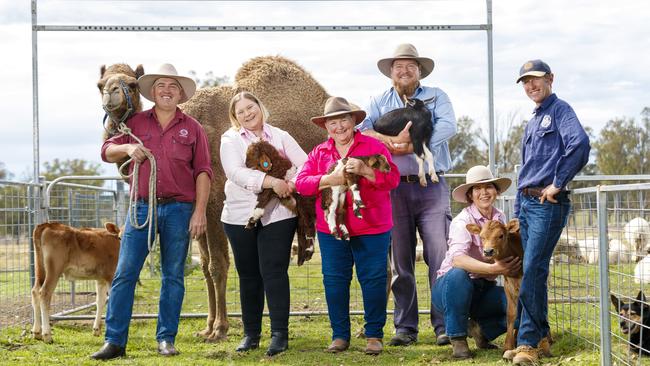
[309,177]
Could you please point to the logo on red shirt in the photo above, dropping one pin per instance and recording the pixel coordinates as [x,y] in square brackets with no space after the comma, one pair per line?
[183,133]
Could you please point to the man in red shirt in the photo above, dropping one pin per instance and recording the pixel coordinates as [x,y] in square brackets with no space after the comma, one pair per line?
[183,175]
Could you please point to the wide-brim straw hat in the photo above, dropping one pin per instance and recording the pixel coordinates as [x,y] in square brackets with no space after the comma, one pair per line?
[478,175]
[337,106]
[166,71]
[406,51]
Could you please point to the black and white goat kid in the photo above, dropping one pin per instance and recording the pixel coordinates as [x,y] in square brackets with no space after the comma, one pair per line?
[333,200]
[421,131]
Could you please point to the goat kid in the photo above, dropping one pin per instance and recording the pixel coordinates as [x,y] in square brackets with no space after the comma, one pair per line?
[266,158]
[88,254]
[333,200]
[421,131]
[635,322]
[501,241]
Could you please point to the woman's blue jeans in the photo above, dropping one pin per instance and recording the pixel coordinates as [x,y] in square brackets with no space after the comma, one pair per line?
[369,253]
[460,297]
[540,226]
[173,225]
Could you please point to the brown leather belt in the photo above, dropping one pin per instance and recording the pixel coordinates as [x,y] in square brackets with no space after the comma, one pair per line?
[532,191]
[537,192]
[416,179]
[160,200]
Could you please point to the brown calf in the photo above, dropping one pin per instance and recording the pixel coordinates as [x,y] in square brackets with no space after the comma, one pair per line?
[499,242]
[77,254]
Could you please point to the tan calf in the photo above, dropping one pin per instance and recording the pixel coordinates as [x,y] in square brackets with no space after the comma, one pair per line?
[499,242]
[78,254]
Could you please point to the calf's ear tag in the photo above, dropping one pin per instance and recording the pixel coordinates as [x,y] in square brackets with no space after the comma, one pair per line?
[265,164]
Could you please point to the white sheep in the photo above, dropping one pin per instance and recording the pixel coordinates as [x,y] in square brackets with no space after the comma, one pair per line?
[637,234]
[642,270]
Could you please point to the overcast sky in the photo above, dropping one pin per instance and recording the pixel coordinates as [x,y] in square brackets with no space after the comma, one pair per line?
[598,50]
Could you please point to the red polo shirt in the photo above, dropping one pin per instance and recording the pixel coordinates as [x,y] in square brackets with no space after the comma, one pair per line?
[181,151]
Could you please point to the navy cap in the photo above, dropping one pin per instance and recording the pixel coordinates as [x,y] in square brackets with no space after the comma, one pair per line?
[534,68]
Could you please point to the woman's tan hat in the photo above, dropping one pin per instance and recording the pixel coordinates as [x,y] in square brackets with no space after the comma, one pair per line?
[406,51]
[145,82]
[336,106]
[478,175]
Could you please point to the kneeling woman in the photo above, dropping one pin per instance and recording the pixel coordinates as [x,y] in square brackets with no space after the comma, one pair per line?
[367,248]
[466,291]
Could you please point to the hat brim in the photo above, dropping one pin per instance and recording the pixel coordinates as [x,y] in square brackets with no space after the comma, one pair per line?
[460,192]
[358,115]
[530,73]
[145,82]
[426,65]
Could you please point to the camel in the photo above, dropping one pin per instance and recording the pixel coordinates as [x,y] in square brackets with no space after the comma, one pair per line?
[292,97]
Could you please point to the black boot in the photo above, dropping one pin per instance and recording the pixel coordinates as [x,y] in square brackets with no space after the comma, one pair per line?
[248,343]
[109,351]
[279,343]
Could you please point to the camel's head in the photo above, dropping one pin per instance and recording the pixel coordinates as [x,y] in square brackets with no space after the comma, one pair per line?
[118,86]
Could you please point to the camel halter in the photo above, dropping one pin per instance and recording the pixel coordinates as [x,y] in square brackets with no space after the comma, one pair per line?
[129,110]
[152,212]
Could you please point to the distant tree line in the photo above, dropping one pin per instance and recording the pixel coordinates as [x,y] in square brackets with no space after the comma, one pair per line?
[622,146]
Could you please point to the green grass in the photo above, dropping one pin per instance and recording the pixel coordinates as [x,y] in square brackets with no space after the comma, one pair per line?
[73,343]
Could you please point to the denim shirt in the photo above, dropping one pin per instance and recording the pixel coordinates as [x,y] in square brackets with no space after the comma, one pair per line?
[443,118]
[555,147]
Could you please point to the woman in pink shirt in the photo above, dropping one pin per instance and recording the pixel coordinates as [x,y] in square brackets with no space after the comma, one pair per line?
[261,254]
[367,247]
[466,291]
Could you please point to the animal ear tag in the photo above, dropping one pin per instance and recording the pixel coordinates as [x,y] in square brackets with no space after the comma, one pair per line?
[266,165]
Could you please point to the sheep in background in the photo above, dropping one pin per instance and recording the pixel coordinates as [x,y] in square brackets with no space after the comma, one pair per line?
[421,130]
[642,270]
[618,251]
[637,235]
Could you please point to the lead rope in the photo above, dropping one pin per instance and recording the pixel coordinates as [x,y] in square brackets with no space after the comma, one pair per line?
[152,212]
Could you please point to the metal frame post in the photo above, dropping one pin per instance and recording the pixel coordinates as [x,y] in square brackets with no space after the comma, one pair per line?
[492,160]
[603,245]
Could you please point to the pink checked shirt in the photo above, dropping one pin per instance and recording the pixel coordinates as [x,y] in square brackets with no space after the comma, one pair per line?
[462,242]
[244,184]
[377,216]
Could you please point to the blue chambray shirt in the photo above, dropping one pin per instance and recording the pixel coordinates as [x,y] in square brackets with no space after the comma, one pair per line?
[442,113]
[555,147]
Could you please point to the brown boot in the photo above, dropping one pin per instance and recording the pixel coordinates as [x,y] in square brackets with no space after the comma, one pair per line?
[374,346]
[338,345]
[474,331]
[544,346]
[460,348]
[527,355]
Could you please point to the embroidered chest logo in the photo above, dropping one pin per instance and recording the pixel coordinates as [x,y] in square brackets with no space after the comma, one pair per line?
[546,121]
[183,133]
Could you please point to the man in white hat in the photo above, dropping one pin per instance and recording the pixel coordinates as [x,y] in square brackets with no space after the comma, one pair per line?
[425,209]
[555,148]
[183,175]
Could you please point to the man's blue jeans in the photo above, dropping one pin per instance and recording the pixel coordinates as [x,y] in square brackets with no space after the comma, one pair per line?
[369,253]
[173,225]
[540,226]
[460,297]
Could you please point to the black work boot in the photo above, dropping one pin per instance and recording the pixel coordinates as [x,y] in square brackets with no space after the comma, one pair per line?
[109,351]
[279,343]
[248,343]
